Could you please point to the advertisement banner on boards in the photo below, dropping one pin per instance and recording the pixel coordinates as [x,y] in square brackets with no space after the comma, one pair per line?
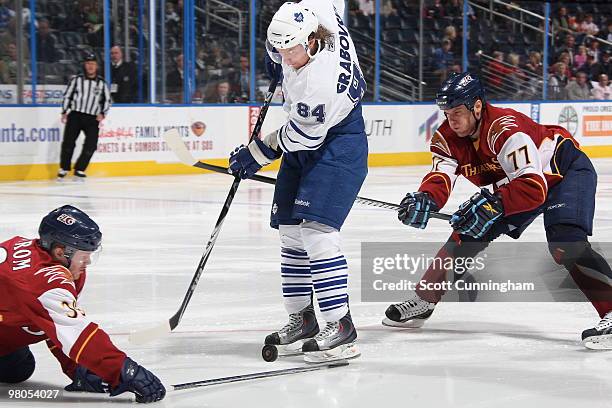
[589,122]
[44,94]
[33,135]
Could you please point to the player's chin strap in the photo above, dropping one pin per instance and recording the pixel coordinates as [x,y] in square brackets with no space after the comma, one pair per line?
[312,56]
[477,121]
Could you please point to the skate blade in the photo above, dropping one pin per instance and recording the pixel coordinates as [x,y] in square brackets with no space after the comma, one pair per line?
[603,342]
[292,349]
[342,352]
[409,324]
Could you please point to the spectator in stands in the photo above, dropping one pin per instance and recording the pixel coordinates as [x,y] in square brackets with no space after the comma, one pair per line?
[498,71]
[534,65]
[607,34]
[366,7]
[602,89]
[75,19]
[450,33]
[588,26]
[568,46]
[594,49]
[565,59]
[173,21]
[454,8]
[443,59]
[516,77]
[239,79]
[217,57]
[606,63]
[45,43]
[561,21]
[593,68]
[557,81]
[580,58]
[434,11]
[578,89]
[10,61]
[174,81]
[221,93]
[4,73]
[5,15]
[388,9]
[124,78]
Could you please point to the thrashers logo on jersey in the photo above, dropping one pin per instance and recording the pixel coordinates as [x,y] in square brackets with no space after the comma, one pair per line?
[57,272]
[470,171]
[499,126]
[438,142]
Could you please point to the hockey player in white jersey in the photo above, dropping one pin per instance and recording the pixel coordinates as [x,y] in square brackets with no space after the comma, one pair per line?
[324,150]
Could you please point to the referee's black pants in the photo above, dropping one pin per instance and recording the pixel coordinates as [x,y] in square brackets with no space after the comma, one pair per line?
[76,122]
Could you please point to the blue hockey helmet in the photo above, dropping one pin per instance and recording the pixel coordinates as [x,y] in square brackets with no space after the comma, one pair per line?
[460,89]
[70,227]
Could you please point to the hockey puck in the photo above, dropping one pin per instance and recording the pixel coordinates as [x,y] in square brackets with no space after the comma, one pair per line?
[269,353]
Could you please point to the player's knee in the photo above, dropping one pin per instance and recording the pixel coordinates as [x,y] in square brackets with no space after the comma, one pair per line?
[320,240]
[291,237]
[17,366]
[566,243]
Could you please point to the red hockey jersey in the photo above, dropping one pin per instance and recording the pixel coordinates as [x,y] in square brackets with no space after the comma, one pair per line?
[38,301]
[512,152]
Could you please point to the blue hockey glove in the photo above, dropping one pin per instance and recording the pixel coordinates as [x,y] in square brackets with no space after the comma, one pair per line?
[140,381]
[416,209]
[245,161]
[86,381]
[477,215]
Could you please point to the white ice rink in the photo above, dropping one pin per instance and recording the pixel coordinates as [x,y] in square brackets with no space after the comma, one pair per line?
[155,228]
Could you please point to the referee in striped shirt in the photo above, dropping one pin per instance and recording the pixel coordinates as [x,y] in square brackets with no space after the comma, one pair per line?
[86,103]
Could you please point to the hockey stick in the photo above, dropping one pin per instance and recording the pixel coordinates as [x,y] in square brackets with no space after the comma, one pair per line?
[254,376]
[146,335]
[175,142]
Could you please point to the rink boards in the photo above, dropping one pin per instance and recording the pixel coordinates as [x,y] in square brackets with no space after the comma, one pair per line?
[130,142]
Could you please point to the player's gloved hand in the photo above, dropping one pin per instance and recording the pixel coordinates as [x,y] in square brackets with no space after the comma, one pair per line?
[86,381]
[245,161]
[137,379]
[272,62]
[416,209]
[477,215]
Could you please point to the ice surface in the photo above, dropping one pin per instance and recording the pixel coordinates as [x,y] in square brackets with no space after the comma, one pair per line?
[155,229]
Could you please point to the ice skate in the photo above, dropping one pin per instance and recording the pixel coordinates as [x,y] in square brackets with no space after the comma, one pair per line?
[302,326]
[411,314]
[599,337]
[335,342]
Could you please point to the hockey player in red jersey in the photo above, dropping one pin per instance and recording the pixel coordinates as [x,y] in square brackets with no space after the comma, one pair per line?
[40,280]
[534,169]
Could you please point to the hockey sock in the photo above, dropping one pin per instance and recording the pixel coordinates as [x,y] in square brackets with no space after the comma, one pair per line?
[295,269]
[328,267]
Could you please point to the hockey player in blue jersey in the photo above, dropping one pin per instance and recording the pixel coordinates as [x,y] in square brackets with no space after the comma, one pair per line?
[324,163]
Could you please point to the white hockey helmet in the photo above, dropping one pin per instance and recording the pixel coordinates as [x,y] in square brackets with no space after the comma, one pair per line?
[291,25]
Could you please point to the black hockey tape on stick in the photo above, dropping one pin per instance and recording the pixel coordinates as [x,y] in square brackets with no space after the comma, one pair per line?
[165,328]
[263,374]
[175,142]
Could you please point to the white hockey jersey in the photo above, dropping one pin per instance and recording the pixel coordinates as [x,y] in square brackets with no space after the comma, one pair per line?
[325,91]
